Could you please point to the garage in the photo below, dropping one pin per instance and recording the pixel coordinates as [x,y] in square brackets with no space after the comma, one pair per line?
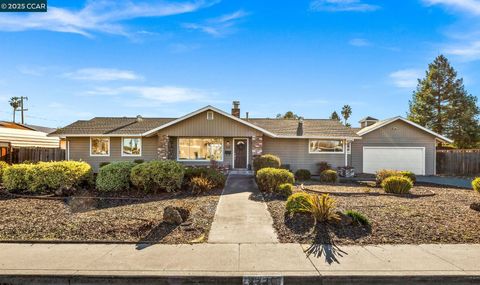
[397,158]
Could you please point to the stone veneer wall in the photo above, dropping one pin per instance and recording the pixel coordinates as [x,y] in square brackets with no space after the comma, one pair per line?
[163,146]
[257,146]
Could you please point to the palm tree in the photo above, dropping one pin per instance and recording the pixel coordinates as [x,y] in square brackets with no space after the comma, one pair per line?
[15,103]
[346,112]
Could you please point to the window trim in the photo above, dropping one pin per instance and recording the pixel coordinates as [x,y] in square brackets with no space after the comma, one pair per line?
[212,116]
[131,155]
[312,152]
[109,146]
[199,160]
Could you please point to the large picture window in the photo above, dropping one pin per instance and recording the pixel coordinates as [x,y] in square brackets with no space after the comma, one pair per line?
[131,146]
[200,149]
[99,146]
[325,146]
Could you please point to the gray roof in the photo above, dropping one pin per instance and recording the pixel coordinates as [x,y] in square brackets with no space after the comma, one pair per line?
[41,128]
[368,118]
[132,126]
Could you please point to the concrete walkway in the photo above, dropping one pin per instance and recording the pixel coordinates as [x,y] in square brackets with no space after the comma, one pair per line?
[447,181]
[242,216]
[362,264]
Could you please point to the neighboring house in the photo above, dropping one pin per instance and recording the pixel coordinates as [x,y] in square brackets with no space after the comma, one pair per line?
[210,133]
[14,136]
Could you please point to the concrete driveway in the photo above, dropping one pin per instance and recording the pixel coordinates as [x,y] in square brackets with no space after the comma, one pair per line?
[447,181]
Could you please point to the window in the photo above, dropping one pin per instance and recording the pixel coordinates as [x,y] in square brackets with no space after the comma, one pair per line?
[325,146]
[200,149]
[131,146]
[209,115]
[99,146]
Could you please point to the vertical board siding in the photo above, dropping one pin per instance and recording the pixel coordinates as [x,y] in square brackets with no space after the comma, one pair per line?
[464,162]
[294,152]
[36,154]
[396,134]
[80,150]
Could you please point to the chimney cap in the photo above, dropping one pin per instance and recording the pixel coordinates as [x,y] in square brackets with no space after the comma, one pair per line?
[139,118]
[236,104]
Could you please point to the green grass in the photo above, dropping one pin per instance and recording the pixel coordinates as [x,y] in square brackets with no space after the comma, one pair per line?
[357,217]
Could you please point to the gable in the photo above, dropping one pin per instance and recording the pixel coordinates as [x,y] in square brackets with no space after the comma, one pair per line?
[220,126]
[398,132]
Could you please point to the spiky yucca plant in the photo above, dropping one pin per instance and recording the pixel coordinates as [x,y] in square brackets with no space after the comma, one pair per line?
[323,208]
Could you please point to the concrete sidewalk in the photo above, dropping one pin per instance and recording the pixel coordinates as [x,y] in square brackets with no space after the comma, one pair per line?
[447,181]
[452,263]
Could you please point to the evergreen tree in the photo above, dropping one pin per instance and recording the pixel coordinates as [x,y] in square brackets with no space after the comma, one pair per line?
[335,116]
[442,104]
[346,112]
[289,115]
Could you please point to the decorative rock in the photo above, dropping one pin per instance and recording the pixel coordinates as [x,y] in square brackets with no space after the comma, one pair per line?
[344,219]
[172,216]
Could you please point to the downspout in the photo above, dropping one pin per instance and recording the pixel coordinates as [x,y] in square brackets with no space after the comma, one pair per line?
[346,152]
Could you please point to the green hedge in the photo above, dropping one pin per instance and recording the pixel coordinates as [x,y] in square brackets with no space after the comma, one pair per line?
[266,161]
[476,184]
[329,176]
[155,175]
[385,173]
[397,184]
[284,190]
[46,177]
[298,203]
[216,177]
[115,176]
[303,174]
[3,166]
[268,179]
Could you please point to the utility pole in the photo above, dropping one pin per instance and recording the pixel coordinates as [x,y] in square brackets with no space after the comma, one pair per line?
[23,109]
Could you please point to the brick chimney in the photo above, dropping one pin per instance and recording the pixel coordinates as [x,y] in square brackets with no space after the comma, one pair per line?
[367,121]
[236,109]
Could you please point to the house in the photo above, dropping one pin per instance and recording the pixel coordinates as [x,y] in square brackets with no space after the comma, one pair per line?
[14,136]
[210,133]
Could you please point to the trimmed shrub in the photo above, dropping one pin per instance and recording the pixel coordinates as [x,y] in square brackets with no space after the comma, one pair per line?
[115,176]
[3,166]
[102,164]
[476,184]
[157,175]
[298,203]
[397,184]
[50,176]
[284,190]
[266,161]
[201,184]
[138,161]
[385,173]
[303,174]
[329,176]
[268,179]
[322,166]
[323,208]
[15,177]
[213,175]
[357,217]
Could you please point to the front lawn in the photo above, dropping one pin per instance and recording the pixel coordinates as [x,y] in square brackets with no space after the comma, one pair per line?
[415,218]
[108,219]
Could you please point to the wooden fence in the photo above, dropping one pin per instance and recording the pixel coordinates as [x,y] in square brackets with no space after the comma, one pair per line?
[36,154]
[464,162]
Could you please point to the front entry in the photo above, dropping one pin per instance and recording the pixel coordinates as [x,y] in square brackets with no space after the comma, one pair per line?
[240,153]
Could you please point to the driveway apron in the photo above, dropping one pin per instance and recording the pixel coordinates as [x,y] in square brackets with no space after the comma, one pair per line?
[242,215]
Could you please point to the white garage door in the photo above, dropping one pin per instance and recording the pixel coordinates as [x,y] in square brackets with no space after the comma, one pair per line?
[398,158]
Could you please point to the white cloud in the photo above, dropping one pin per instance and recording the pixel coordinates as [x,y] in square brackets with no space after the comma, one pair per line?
[154,94]
[219,26]
[97,16]
[342,6]
[470,6]
[359,42]
[405,78]
[467,51]
[102,74]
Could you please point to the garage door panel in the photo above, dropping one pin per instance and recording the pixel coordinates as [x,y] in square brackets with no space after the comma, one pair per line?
[398,158]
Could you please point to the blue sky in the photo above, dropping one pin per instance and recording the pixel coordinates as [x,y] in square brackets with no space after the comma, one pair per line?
[167,58]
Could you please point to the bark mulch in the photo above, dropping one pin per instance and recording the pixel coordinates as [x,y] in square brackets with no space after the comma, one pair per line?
[119,219]
[445,217]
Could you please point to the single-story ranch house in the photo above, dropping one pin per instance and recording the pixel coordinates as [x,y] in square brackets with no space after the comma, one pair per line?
[212,134]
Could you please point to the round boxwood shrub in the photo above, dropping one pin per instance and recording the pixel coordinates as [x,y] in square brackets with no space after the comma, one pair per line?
[476,184]
[409,175]
[284,190]
[3,166]
[299,203]
[328,176]
[15,177]
[397,184]
[104,163]
[385,173]
[115,176]
[303,174]
[268,179]
[155,175]
[266,161]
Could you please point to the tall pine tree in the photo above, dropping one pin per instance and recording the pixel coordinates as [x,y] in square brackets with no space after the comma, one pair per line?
[442,104]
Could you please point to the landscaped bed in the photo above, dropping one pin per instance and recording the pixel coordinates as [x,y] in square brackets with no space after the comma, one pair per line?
[430,214]
[127,219]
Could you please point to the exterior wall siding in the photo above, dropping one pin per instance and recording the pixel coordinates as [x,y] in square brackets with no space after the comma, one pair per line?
[294,152]
[79,149]
[396,134]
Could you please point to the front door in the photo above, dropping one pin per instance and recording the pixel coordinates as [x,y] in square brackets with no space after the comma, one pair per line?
[240,153]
